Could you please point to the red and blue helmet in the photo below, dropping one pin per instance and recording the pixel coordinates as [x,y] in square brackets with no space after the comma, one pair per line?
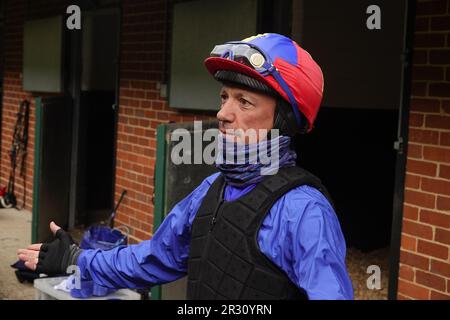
[278,62]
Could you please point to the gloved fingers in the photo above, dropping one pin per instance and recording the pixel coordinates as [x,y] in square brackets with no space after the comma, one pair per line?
[35,246]
[64,237]
[42,255]
[60,234]
[38,263]
[54,228]
[44,247]
[39,266]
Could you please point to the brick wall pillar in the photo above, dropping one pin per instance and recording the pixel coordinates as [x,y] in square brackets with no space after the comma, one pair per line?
[425,260]
[12,96]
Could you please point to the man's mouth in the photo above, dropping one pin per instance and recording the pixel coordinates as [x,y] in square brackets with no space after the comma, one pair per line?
[225,131]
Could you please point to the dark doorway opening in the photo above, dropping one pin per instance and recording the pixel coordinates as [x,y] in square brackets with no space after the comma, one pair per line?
[352,146]
[99,150]
[351,150]
[96,98]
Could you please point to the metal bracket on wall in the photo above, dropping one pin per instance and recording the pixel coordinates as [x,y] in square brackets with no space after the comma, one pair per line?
[398,145]
[162,87]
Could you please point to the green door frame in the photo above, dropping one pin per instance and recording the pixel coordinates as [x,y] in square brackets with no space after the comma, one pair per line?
[159,187]
[37,170]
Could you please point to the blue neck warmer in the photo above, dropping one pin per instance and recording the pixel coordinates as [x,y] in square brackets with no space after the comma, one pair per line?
[246,164]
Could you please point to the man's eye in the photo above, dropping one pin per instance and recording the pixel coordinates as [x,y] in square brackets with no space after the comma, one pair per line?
[244,102]
[223,97]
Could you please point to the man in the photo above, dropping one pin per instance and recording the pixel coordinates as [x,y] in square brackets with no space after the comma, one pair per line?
[240,234]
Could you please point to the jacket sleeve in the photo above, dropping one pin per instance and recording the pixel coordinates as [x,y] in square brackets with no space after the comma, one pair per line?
[159,260]
[302,235]
[319,250]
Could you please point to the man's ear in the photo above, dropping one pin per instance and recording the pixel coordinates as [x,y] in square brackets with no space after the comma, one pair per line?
[285,119]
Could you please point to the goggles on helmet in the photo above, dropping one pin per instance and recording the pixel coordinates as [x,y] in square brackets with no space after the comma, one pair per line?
[251,56]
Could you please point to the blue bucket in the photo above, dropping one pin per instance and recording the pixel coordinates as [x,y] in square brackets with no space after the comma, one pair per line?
[104,238]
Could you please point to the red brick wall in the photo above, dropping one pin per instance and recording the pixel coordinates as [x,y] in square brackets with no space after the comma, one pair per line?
[144,57]
[425,260]
[13,94]
[15,14]
[1,46]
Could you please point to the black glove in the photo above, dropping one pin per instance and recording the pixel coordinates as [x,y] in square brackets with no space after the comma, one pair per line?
[56,256]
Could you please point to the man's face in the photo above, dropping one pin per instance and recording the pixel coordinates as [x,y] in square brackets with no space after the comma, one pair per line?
[242,110]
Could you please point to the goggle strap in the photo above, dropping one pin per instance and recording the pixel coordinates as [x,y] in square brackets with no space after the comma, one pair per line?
[268,66]
[286,89]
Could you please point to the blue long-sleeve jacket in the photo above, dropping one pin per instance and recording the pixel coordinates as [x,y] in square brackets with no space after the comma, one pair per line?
[301,234]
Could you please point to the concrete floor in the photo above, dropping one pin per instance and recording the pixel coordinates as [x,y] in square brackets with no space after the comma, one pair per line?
[15,232]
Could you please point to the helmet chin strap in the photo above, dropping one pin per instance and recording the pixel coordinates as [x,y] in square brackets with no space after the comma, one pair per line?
[285,120]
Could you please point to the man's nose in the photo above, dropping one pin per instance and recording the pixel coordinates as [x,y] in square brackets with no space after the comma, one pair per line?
[226,113]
